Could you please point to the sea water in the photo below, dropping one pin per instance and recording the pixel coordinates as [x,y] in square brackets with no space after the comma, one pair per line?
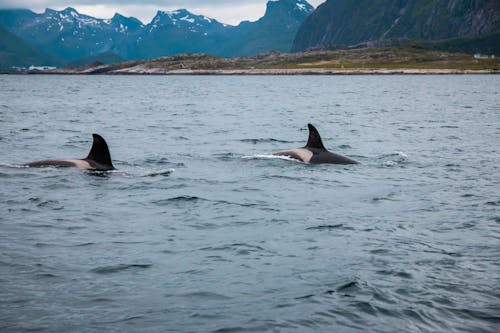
[198,230]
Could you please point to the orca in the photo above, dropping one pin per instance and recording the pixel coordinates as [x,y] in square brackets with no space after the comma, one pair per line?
[98,159]
[314,152]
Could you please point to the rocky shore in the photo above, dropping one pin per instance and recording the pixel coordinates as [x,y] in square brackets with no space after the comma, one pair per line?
[141,70]
[386,61]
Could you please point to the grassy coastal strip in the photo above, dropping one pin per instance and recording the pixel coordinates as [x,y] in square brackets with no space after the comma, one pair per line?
[393,60]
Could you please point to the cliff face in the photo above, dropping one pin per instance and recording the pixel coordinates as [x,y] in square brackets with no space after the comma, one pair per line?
[275,31]
[346,22]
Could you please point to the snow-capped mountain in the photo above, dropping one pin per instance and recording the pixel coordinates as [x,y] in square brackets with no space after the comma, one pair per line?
[68,34]
[177,32]
[275,30]
[127,25]
[182,19]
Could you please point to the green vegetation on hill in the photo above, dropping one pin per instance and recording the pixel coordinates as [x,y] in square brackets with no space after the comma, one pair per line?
[347,22]
[486,44]
[16,52]
[391,58]
[103,58]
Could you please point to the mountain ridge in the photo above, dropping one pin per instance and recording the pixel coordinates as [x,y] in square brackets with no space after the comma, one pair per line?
[70,35]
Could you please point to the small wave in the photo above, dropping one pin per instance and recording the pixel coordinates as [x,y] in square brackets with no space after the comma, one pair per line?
[347,289]
[330,227]
[102,300]
[225,156]
[83,244]
[159,173]
[124,319]
[41,244]
[388,197]
[118,268]
[51,169]
[283,176]
[380,251]
[12,166]
[264,140]
[270,157]
[206,295]
[145,174]
[159,161]
[232,246]
[400,274]
[304,297]
[98,173]
[238,249]
[394,159]
[196,199]
[206,316]
[180,198]
[45,276]
[266,326]
[52,204]
[349,286]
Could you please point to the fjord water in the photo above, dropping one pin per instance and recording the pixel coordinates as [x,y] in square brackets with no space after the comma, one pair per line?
[198,232]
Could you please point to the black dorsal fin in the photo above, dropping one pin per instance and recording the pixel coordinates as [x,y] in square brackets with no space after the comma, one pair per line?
[99,152]
[314,140]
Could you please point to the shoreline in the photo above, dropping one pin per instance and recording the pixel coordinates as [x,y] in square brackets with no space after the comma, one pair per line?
[143,70]
[372,61]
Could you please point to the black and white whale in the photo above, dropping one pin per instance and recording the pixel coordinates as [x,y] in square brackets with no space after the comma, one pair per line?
[314,152]
[99,158]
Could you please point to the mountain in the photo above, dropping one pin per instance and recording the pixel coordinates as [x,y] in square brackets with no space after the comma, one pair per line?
[274,31]
[67,33]
[70,35]
[176,32]
[16,52]
[346,22]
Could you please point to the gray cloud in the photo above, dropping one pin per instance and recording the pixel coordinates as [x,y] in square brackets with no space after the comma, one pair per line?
[119,3]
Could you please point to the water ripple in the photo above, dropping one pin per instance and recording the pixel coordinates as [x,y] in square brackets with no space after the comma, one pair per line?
[118,268]
[408,242]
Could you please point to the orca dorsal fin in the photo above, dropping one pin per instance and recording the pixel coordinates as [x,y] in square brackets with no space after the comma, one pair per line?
[314,140]
[99,152]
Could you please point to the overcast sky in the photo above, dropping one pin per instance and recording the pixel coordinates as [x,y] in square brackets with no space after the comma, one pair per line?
[226,11]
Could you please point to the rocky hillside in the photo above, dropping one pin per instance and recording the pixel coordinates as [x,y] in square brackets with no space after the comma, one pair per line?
[275,31]
[346,22]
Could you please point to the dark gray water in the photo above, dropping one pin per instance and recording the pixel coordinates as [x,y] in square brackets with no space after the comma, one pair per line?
[196,233]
